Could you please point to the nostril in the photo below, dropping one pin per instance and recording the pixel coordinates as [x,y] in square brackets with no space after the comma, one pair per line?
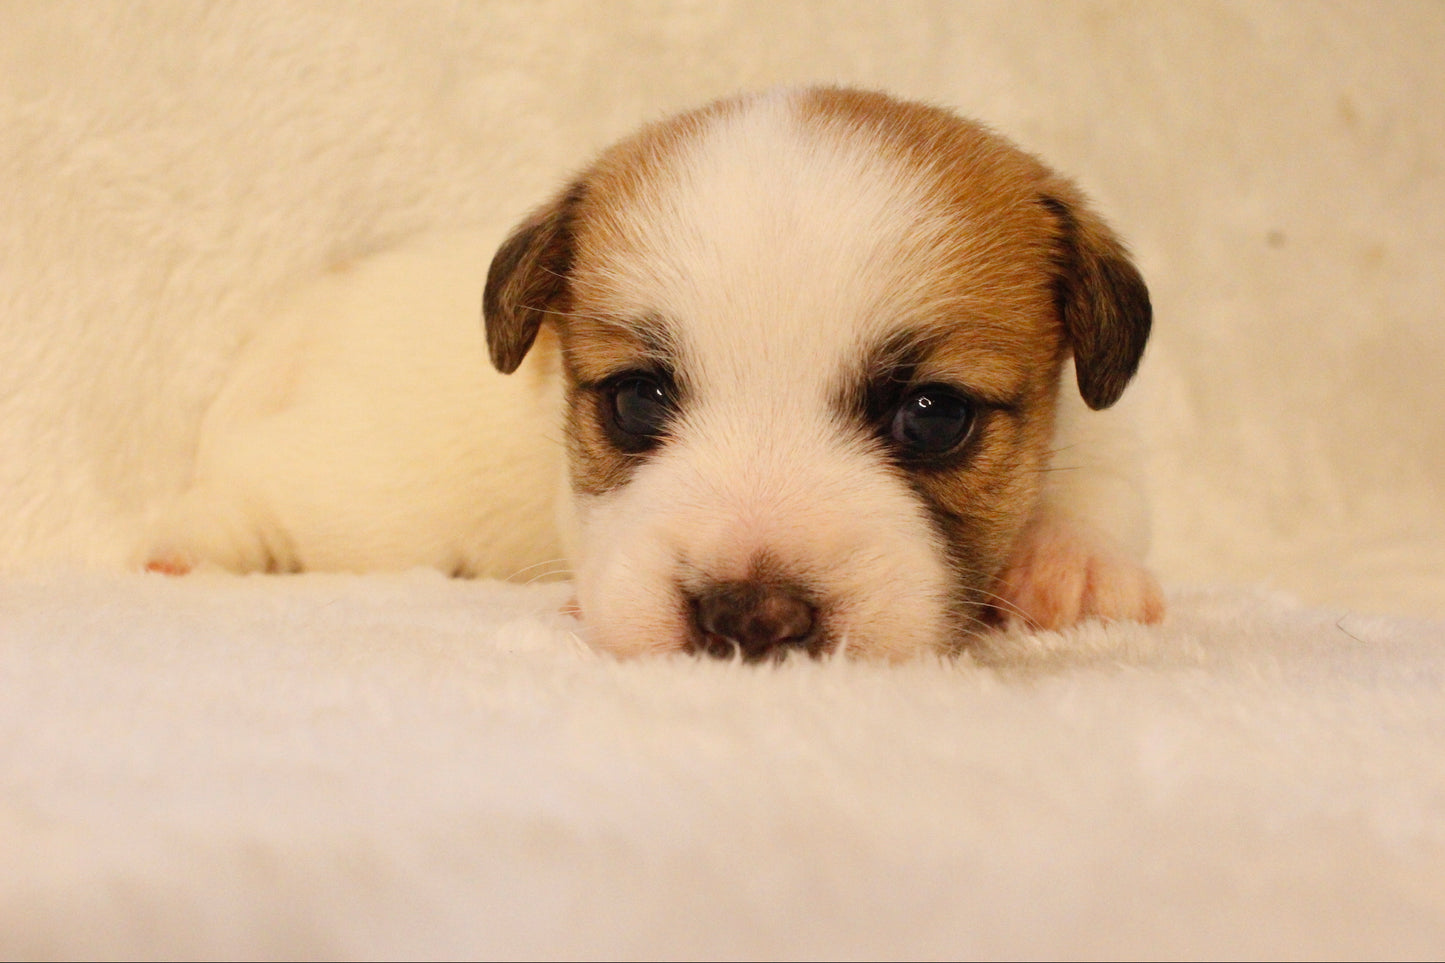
[755,619]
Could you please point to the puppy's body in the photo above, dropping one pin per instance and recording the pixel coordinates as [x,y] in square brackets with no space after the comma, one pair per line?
[363,428]
[807,365]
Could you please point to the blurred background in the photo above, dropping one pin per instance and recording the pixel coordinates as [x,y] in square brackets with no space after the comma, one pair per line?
[1276,166]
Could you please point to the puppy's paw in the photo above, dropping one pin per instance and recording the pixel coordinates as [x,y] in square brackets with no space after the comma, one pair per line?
[169,563]
[207,530]
[1063,572]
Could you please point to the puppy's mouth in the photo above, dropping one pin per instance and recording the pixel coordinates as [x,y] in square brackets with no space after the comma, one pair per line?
[755,620]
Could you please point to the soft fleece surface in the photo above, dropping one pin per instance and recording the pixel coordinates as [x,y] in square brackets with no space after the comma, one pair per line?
[405,765]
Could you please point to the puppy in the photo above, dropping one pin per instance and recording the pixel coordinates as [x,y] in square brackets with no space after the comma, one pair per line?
[805,354]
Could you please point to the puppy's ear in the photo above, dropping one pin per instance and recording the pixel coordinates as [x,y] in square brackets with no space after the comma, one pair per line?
[1102,300]
[528,279]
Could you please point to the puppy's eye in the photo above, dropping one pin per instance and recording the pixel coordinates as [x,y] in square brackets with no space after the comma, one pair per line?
[636,408]
[931,420]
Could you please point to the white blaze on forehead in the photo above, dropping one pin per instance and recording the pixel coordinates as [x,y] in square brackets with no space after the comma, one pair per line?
[776,245]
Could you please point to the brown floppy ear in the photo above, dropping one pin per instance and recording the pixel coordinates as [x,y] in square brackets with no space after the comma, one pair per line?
[1102,300]
[528,279]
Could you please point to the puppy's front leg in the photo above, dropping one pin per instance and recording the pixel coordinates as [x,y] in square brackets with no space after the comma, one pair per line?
[1082,554]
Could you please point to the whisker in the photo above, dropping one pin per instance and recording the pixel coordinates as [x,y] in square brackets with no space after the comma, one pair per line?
[548,569]
[997,603]
[547,270]
[558,314]
[579,644]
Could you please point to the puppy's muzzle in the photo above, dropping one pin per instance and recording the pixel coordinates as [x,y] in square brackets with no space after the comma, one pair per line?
[754,620]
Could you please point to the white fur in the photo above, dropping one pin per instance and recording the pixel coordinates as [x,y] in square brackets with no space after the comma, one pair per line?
[364,429]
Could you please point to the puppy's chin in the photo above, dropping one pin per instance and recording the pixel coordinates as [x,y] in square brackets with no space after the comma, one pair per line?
[845,550]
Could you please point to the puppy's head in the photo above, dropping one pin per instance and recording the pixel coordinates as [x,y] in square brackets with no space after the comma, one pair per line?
[811,343]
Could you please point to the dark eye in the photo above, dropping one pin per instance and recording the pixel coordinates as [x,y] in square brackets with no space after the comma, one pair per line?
[636,409]
[931,420]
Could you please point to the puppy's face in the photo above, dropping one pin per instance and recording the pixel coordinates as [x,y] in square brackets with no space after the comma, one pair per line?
[811,344]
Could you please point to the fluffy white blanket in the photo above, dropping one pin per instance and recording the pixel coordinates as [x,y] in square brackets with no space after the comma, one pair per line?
[404,765]
[407,766]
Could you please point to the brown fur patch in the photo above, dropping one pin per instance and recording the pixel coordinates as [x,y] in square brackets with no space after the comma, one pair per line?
[527,280]
[1101,302]
[980,497]
[595,350]
[533,281]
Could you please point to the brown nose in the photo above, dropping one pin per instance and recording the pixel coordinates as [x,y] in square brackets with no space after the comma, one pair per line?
[754,620]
